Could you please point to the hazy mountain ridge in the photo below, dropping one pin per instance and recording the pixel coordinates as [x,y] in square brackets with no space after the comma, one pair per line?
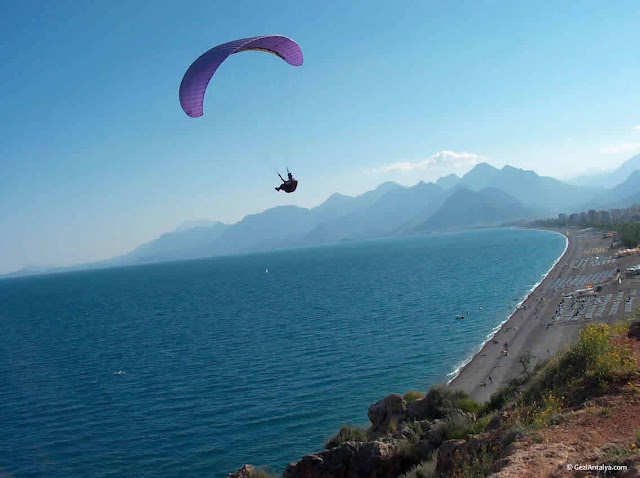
[397,207]
[622,195]
[485,196]
[449,181]
[608,179]
[548,196]
[183,243]
[466,208]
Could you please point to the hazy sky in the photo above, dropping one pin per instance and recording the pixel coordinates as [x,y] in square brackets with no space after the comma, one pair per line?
[96,155]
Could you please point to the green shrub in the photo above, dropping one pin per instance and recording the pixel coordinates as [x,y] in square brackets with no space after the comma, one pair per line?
[470,406]
[477,465]
[407,454]
[456,427]
[514,433]
[479,425]
[505,395]
[412,396]
[263,473]
[589,365]
[616,451]
[416,430]
[406,450]
[440,400]
[347,433]
[424,469]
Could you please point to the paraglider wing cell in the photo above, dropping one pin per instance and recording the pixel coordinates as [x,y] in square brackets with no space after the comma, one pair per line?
[196,79]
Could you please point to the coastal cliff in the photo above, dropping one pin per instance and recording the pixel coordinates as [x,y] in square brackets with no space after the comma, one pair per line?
[529,402]
[580,408]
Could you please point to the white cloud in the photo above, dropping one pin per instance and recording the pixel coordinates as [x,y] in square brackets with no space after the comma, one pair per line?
[441,159]
[636,128]
[621,148]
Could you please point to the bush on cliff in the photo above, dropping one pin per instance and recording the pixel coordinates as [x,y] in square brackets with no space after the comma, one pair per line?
[424,469]
[412,396]
[469,405]
[407,454]
[506,395]
[263,473]
[347,433]
[414,431]
[474,464]
[440,400]
[590,365]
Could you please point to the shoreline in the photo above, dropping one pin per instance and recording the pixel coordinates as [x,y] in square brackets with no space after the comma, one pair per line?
[546,320]
[529,334]
[499,327]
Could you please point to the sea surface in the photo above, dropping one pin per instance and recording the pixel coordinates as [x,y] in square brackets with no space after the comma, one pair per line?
[225,364]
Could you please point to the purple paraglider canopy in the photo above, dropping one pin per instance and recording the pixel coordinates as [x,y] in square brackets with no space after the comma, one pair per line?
[196,79]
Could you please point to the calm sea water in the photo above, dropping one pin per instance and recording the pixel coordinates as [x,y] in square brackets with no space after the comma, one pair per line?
[226,364]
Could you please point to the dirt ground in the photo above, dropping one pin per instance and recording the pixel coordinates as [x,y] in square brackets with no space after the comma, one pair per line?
[602,431]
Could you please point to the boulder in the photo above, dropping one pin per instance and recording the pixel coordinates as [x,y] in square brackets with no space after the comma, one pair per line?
[446,455]
[349,460]
[386,414]
[496,421]
[413,430]
[634,332]
[243,472]
[419,409]
[437,403]
[633,467]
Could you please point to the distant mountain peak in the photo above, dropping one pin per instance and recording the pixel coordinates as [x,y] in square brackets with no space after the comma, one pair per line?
[185,226]
[466,208]
[609,178]
[335,196]
[449,181]
[388,186]
[479,177]
[485,166]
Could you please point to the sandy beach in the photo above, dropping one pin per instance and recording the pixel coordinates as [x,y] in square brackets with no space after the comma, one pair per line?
[547,320]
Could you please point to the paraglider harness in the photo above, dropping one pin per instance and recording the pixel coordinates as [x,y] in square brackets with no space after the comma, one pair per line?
[288,185]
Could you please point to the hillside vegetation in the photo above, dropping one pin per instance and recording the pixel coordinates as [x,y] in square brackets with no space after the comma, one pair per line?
[526,429]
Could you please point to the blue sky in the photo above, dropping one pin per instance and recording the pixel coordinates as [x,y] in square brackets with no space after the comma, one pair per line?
[96,155]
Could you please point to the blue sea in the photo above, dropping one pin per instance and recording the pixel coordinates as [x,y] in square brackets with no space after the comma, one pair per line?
[225,364]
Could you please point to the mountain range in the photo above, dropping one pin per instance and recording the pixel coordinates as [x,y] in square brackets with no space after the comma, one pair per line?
[608,179]
[485,196]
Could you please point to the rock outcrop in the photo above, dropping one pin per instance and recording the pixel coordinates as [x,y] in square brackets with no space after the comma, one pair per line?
[633,467]
[534,461]
[447,454]
[386,414]
[634,331]
[349,460]
[243,472]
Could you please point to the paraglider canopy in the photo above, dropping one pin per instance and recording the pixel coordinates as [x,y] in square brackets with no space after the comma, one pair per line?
[195,81]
